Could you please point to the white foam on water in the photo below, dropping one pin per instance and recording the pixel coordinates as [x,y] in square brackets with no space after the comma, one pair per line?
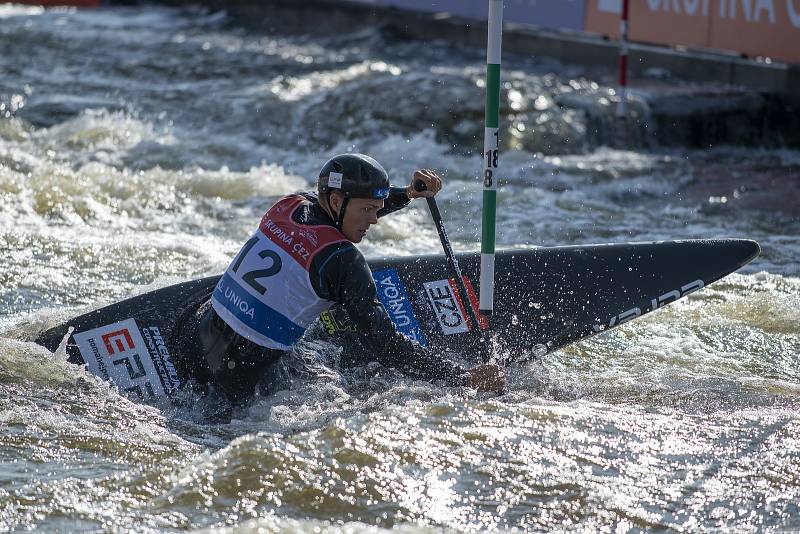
[16,10]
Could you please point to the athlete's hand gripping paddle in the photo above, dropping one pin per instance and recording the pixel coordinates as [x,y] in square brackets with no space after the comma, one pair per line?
[452,263]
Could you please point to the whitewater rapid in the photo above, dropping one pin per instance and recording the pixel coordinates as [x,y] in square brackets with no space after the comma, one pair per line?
[140,146]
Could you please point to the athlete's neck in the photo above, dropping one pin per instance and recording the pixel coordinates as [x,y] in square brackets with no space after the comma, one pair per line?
[321,213]
[326,207]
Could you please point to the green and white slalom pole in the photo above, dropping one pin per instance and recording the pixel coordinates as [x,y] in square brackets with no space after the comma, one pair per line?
[491,156]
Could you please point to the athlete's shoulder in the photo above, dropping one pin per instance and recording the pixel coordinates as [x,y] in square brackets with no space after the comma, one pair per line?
[337,269]
[339,254]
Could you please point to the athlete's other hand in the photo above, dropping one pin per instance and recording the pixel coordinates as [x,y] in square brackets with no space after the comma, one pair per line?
[432,181]
[488,377]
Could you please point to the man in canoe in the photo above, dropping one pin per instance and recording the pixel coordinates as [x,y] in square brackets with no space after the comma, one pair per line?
[302,260]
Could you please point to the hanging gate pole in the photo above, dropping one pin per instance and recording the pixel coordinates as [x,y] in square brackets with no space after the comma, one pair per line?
[491,149]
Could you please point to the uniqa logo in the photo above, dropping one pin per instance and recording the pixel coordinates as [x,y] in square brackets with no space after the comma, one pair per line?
[239,302]
[396,302]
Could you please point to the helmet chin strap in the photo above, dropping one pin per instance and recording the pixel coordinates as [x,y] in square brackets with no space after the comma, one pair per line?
[340,217]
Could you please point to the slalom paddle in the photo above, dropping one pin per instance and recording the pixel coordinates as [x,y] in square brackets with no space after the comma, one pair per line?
[452,264]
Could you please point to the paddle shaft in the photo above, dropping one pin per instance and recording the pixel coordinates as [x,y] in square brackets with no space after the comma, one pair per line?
[452,263]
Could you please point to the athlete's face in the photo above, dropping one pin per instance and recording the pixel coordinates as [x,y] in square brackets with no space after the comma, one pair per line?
[360,214]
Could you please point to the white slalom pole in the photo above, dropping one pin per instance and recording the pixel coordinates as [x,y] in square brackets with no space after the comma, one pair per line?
[491,155]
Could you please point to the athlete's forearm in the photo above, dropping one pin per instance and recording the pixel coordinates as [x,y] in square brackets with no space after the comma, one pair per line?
[344,277]
[393,349]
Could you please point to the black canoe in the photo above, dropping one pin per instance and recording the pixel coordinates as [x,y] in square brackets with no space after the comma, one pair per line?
[545,298]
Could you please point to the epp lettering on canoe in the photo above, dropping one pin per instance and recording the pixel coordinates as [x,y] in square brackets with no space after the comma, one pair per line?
[135,365]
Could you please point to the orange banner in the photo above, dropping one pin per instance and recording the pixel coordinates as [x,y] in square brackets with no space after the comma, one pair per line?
[758,28]
[768,28]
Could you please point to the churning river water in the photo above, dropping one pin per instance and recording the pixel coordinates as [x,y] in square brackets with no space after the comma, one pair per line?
[139,147]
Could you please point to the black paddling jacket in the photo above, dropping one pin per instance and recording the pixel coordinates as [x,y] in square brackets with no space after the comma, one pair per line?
[338,273]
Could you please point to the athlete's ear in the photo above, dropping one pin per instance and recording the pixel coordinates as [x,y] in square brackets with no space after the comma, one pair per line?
[335,201]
